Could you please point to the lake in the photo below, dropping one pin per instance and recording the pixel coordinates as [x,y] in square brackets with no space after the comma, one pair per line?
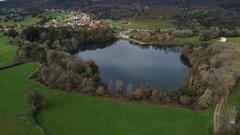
[159,66]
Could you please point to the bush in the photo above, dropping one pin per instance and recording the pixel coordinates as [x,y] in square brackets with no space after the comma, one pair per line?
[35,99]
[31,33]
[139,94]
[183,33]
[12,33]
[155,95]
[119,88]
[185,100]
[144,36]
[101,91]
[206,35]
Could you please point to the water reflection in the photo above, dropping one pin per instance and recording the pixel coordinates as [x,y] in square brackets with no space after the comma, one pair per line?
[121,60]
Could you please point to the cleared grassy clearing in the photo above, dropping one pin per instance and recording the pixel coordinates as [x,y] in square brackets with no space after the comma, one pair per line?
[70,113]
[133,24]
[7,51]
[191,40]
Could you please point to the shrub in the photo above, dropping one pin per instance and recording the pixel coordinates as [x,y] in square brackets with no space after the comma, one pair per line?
[101,91]
[119,88]
[206,35]
[155,95]
[183,33]
[35,99]
[144,36]
[185,100]
[140,93]
[31,33]
[12,33]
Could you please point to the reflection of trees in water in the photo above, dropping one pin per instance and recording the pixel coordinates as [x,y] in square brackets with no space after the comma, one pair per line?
[165,48]
[168,49]
[119,86]
[96,46]
[185,61]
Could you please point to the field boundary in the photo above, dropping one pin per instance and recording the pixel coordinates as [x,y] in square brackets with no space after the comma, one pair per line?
[12,65]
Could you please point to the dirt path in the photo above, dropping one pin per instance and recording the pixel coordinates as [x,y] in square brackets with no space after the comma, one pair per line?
[124,35]
[217,115]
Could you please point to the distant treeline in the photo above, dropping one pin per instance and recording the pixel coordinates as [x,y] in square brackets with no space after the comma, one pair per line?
[84,3]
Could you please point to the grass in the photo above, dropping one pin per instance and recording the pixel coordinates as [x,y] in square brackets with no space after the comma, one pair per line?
[57,14]
[7,51]
[232,102]
[32,21]
[234,98]
[17,126]
[70,113]
[191,40]
[147,24]
[234,40]
[28,21]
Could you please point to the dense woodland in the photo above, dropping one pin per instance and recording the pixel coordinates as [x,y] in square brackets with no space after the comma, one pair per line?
[113,11]
[213,73]
[59,69]
[82,3]
[206,18]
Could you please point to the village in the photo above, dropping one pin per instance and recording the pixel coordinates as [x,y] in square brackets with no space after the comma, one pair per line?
[73,19]
[76,19]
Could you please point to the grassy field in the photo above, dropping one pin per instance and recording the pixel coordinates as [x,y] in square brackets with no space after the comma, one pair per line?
[234,40]
[70,114]
[133,24]
[28,21]
[17,126]
[232,102]
[234,98]
[191,40]
[7,51]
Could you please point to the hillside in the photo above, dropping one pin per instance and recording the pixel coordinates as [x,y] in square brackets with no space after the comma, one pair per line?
[84,3]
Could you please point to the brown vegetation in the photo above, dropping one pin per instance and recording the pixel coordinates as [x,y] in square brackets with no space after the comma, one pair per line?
[214,72]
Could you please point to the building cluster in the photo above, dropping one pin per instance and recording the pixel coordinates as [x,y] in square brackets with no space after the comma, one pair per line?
[76,19]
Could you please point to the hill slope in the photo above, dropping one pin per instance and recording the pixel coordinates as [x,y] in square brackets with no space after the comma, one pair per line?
[84,3]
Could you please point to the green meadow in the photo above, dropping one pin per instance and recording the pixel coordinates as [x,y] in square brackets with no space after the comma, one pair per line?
[147,24]
[7,51]
[71,113]
[28,21]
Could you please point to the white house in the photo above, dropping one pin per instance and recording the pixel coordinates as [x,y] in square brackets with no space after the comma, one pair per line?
[223,39]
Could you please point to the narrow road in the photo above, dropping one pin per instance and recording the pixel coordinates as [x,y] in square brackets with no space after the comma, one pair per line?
[217,115]
[124,35]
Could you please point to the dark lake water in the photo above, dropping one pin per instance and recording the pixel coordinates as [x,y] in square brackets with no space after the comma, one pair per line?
[121,60]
